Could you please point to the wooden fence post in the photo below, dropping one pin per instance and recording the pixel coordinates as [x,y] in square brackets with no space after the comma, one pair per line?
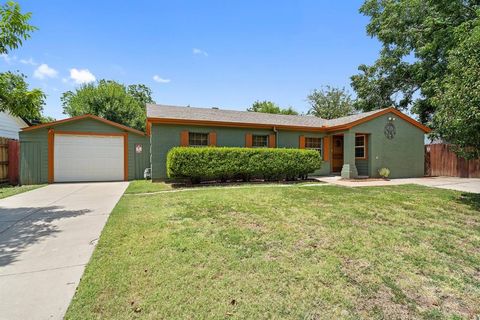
[13,161]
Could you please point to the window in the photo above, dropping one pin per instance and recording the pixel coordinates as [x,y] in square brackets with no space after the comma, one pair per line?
[313,143]
[196,139]
[361,146]
[259,141]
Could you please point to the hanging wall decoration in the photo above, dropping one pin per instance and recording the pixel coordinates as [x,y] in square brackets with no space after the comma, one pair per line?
[389,130]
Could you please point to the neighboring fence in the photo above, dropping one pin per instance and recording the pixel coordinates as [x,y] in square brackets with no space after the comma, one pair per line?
[440,161]
[9,161]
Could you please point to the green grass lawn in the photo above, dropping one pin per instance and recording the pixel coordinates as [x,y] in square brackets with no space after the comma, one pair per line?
[318,252]
[146,186]
[7,190]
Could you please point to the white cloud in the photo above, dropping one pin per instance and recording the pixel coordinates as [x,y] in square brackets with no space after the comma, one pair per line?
[29,61]
[44,71]
[8,59]
[200,52]
[158,79]
[81,76]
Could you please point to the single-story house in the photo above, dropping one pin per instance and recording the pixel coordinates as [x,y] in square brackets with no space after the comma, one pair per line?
[356,145]
[89,148]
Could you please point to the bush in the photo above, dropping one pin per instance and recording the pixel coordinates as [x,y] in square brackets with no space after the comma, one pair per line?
[227,163]
[384,172]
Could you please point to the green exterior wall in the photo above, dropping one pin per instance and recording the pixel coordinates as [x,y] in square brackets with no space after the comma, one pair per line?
[403,155]
[291,139]
[34,156]
[34,150]
[164,137]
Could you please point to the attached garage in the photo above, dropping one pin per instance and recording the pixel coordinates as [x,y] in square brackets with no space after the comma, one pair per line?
[88,157]
[80,149]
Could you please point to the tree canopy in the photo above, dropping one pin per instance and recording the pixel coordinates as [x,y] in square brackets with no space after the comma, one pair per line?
[15,97]
[330,103]
[14,27]
[270,107]
[457,99]
[417,68]
[110,100]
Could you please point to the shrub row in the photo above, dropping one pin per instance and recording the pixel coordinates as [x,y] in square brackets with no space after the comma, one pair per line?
[226,163]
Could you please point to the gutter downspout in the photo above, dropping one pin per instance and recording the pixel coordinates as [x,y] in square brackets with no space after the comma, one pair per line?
[276,136]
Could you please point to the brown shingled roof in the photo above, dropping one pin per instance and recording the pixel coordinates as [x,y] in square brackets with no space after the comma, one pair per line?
[351,118]
[203,114]
[215,116]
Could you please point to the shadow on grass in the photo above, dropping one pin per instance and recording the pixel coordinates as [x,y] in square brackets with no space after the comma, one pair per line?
[187,184]
[23,227]
[470,199]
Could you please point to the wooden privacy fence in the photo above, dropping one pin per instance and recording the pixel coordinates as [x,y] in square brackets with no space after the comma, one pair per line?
[440,161]
[9,161]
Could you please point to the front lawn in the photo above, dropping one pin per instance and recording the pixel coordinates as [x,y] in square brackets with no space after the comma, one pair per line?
[146,186]
[299,252]
[7,190]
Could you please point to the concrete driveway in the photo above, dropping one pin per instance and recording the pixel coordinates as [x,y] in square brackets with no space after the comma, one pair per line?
[46,238]
[460,184]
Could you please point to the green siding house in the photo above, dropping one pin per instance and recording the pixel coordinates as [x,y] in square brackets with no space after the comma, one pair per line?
[89,148]
[353,146]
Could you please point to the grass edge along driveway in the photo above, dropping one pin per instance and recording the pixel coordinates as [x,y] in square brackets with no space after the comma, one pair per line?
[8,191]
[291,253]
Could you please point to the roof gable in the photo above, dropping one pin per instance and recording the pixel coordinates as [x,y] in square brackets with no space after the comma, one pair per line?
[78,118]
[351,121]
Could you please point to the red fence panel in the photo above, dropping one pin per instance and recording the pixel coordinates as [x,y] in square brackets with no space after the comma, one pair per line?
[441,161]
[13,161]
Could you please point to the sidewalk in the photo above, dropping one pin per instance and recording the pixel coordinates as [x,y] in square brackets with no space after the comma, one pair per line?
[452,183]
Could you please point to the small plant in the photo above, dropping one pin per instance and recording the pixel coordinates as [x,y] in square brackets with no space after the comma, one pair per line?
[384,172]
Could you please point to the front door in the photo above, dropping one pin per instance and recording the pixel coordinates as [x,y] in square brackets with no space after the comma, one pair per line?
[337,154]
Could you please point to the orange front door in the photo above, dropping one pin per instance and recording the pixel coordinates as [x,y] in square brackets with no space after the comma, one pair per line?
[337,153]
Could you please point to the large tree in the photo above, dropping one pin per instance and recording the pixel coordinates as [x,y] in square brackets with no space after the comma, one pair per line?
[270,107]
[420,39]
[457,98]
[110,100]
[330,103]
[15,97]
[416,37]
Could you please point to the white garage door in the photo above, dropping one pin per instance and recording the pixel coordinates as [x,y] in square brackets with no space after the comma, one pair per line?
[88,158]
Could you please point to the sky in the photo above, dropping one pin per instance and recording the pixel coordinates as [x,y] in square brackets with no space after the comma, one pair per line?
[224,54]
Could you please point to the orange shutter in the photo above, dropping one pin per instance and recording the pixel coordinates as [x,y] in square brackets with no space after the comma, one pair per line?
[271,141]
[301,142]
[248,140]
[212,139]
[326,148]
[184,138]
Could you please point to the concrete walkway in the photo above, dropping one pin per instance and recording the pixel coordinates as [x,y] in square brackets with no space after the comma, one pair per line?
[460,184]
[46,238]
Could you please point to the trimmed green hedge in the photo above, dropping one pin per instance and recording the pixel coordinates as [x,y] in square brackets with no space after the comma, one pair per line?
[207,163]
